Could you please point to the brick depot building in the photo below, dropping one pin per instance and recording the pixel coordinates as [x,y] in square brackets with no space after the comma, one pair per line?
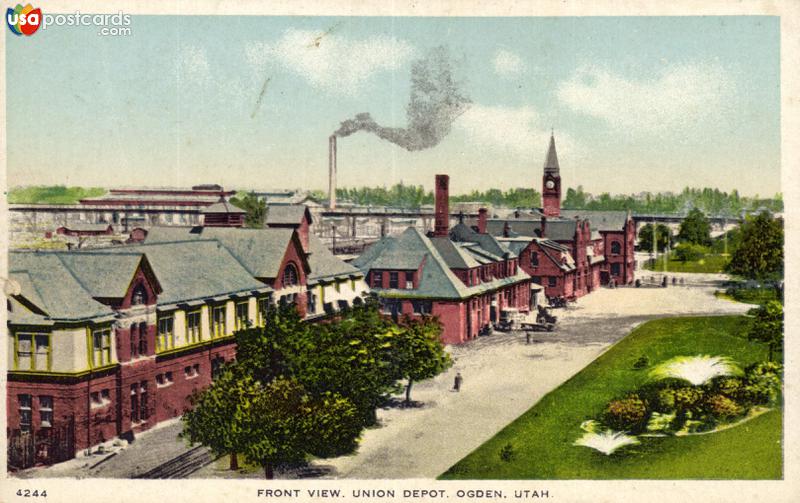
[465,278]
[569,252]
[109,342]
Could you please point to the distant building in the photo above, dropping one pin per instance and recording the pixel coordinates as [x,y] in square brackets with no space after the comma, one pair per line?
[463,277]
[84,230]
[572,252]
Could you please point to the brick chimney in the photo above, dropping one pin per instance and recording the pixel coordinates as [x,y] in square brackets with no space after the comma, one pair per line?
[506,230]
[543,227]
[442,222]
[482,220]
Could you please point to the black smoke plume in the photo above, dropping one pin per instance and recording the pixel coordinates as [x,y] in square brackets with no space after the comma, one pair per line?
[436,101]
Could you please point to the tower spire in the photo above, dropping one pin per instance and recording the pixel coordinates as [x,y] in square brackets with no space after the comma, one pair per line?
[551,161]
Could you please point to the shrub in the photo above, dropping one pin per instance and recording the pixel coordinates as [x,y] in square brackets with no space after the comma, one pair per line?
[507,453]
[728,386]
[722,407]
[763,383]
[641,363]
[626,414]
[687,252]
[687,398]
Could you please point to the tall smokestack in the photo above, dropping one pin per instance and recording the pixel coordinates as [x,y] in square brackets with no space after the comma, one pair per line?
[442,223]
[332,172]
[482,220]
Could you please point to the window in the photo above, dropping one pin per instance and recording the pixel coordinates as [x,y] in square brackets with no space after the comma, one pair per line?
[377,279]
[100,399]
[311,302]
[134,340]
[33,351]
[190,372]
[145,413]
[263,311]
[134,403]
[393,279]
[216,366]
[290,275]
[25,414]
[142,339]
[552,281]
[218,321]
[537,280]
[46,411]
[168,377]
[615,269]
[616,248]
[409,280]
[139,296]
[101,347]
[166,334]
[193,327]
[422,306]
[242,317]
[534,259]
[159,379]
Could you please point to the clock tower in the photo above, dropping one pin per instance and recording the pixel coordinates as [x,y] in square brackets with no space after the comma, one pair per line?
[551,182]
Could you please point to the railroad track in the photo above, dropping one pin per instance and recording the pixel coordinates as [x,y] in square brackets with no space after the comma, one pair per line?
[180,466]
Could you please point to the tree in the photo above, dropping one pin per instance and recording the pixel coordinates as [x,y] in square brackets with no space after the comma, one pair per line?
[420,352]
[688,252]
[288,425]
[758,252]
[255,207]
[768,325]
[663,237]
[695,228]
[221,414]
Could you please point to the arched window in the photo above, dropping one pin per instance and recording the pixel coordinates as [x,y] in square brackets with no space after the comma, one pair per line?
[615,248]
[139,295]
[290,275]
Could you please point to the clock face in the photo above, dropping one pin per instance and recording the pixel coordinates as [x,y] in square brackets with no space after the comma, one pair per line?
[550,184]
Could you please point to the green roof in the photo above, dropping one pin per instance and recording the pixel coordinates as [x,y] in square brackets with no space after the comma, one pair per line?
[412,249]
[260,251]
[325,264]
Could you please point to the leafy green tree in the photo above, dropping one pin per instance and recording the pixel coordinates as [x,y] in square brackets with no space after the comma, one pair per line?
[255,207]
[768,325]
[663,237]
[758,252]
[695,229]
[221,414]
[420,352]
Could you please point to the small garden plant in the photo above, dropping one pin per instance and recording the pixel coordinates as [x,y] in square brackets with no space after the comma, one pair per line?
[685,395]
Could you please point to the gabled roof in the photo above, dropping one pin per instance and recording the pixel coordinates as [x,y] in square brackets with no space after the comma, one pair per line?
[287,214]
[325,264]
[600,220]
[222,207]
[454,256]
[556,229]
[260,251]
[102,275]
[464,233]
[48,283]
[193,269]
[437,280]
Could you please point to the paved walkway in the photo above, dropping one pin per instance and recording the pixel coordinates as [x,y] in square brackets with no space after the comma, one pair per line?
[504,377]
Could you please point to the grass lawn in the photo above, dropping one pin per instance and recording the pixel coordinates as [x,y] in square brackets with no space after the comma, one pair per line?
[52,194]
[749,295]
[709,264]
[542,437]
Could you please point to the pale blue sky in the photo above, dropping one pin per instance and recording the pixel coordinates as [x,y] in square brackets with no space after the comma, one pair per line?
[636,103]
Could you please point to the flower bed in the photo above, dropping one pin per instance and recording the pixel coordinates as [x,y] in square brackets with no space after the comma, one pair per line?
[685,395]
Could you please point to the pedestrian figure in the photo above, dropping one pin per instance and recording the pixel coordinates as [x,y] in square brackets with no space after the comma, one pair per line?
[527,337]
[674,280]
[458,381]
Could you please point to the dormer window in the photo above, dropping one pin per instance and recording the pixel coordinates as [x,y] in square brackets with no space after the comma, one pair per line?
[139,295]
